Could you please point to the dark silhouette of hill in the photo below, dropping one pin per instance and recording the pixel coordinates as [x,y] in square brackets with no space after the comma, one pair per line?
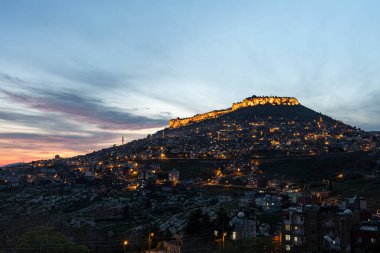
[298,113]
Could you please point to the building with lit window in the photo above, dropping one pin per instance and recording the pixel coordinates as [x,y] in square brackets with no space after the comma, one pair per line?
[244,227]
[173,176]
[269,203]
[313,228]
[300,229]
[366,237]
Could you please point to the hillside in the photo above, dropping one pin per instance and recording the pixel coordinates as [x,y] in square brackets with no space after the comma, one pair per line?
[248,102]
[255,113]
[255,127]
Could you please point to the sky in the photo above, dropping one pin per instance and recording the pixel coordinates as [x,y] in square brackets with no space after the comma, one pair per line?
[76,76]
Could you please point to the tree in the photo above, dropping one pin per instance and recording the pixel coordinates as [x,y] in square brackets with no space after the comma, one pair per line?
[198,230]
[198,223]
[194,222]
[206,223]
[46,240]
[222,223]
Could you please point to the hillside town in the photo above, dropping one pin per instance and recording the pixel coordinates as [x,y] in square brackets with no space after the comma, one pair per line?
[287,179]
[119,200]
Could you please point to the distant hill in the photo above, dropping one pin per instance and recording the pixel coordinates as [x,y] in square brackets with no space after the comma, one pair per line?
[13,165]
[255,127]
[276,112]
[250,102]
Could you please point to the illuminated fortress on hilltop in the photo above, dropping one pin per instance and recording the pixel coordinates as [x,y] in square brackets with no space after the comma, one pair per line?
[252,101]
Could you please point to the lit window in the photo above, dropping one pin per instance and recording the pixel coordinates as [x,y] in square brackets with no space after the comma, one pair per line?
[287,247]
[295,228]
[295,238]
[373,240]
[287,237]
[287,227]
[233,235]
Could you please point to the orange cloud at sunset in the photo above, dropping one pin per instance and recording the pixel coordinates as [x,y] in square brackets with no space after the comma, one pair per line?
[27,147]
[13,151]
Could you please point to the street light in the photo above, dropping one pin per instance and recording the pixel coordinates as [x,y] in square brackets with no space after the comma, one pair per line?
[125,244]
[223,237]
[150,235]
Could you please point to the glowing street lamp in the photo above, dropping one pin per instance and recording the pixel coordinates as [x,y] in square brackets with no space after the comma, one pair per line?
[125,244]
[223,237]
[150,235]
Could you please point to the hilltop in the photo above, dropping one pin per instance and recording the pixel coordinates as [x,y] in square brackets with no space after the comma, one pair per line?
[248,102]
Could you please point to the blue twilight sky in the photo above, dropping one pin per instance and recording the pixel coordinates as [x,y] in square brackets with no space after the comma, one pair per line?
[75,76]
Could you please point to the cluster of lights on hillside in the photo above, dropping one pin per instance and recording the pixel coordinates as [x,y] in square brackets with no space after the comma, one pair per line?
[253,101]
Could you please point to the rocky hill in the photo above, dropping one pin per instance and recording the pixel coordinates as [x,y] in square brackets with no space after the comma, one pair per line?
[257,126]
[248,102]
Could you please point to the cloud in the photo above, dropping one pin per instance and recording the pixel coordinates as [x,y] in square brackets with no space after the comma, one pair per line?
[10,79]
[85,109]
[48,122]
[61,141]
[89,75]
[21,146]
[38,121]
[356,107]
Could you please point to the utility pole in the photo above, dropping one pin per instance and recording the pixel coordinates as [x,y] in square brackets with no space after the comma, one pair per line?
[150,234]
[125,243]
[223,237]
[149,238]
